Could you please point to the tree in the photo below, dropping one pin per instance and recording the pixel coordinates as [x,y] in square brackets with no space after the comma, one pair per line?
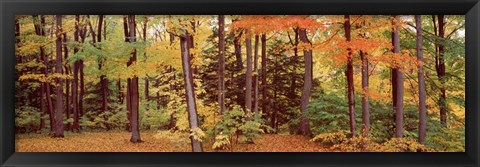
[67,83]
[103,78]
[264,73]
[255,79]
[422,107]
[365,104]
[76,68]
[132,85]
[248,83]
[440,66]
[39,24]
[59,80]
[144,34]
[349,76]
[221,63]
[307,85]
[190,95]
[399,91]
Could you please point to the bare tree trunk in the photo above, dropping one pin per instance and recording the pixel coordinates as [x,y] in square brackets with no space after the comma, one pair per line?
[264,73]
[248,83]
[440,68]
[144,31]
[82,33]
[129,81]
[221,63]
[67,83]
[255,79]
[349,76]
[399,85]
[365,103]
[422,107]
[133,86]
[58,70]
[82,90]
[307,86]
[76,68]
[394,83]
[238,66]
[190,94]
[103,79]
[293,78]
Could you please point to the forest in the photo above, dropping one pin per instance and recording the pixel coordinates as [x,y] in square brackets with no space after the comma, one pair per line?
[240,83]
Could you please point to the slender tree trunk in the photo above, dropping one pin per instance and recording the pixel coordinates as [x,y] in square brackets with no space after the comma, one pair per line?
[67,83]
[133,86]
[422,107]
[58,70]
[365,103]
[103,79]
[394,82]
[173,87]
[238,66]
[273,115]
[82,33]
[120,93]
[190,95]
[399,84]
[293,82]
[307,86]
[129,81]
[440,68]
[248,83]
[264,74]
[349,76]
[144,31]
[76,68]
[255,79]
[82,89]
[221,63]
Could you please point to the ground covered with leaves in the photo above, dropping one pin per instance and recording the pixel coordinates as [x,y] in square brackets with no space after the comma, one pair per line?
[154,141]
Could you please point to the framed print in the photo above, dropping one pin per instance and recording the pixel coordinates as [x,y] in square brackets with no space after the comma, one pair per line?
[268,83]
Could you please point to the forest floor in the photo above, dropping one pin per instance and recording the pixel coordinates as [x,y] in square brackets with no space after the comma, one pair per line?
[154,141]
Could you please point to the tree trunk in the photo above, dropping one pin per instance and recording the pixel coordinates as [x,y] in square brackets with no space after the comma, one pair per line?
[190,94]
[103,79]
[440,68]
[76,68]
[307,85]
[144,31]
[129,81]
[394,85]
[399,84]
[365,103]
[422,107]
[67,83]
[248,82]
[221,63]
[293,82]
[58,70]
[349,76]
[238,68]
[82,34]
[264,74]
[40,30]
[82,90]
[133,86]
[255,79]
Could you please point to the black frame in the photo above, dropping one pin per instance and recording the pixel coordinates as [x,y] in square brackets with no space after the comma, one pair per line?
[10,8]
